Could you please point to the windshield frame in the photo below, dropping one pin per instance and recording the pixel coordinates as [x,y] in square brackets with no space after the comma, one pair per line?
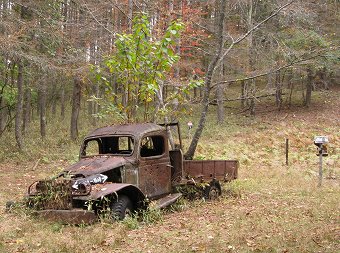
[82,153]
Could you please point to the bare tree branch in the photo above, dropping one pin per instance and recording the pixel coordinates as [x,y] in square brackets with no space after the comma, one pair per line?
[244,36]
[301,60]
[98,22]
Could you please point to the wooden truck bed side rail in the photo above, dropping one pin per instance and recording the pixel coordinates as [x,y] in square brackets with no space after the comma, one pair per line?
[225,170]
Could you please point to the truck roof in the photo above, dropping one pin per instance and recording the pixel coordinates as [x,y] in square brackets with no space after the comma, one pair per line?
[135,129]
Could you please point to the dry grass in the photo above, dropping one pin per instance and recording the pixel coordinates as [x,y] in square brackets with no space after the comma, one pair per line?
[273,207]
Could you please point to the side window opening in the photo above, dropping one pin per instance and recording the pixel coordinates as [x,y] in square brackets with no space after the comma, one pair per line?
[152,146]
[91,148]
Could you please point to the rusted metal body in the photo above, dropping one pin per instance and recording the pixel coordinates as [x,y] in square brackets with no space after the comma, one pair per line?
[224,170]
[130,160]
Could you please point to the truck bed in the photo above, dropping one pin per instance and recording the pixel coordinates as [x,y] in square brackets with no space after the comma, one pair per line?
[206,170]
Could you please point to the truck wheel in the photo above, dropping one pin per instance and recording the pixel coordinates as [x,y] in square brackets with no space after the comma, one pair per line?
[121,208]
[213,191]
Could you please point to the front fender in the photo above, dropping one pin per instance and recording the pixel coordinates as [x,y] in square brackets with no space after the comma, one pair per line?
[108,189]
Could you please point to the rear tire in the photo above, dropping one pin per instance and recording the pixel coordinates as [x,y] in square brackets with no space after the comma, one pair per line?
[213,191]
[121,208]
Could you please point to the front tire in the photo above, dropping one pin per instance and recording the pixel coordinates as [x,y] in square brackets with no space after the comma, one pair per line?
[121,208]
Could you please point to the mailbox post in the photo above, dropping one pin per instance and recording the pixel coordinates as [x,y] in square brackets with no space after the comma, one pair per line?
[321,143]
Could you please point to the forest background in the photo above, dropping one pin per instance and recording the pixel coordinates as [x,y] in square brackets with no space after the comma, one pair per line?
[248,73]
[152,60]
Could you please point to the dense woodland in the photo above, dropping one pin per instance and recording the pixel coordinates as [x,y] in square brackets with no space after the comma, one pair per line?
[251,75]
[136,61]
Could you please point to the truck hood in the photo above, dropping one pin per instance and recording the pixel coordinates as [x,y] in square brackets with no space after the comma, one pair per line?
[96,165]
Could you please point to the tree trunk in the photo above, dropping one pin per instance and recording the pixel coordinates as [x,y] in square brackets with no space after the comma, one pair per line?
[95,105]
[250,38]
[278,90]
[19,106]
[2,114]
[62,102]
[219,99]
[90,109]
[115,89]
[323,78]
[253,96]
[42,110]
[178,40]
[125,97]
[251,55]
[309,87]
[38,102]
[243,93]
[195,94]
[76,95]
[208,78]
[27,110]
[270,81]
[290,86]
[130,3]
[54,100]
[171,7]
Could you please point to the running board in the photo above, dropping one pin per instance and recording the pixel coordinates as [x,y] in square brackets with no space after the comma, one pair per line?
[167,200]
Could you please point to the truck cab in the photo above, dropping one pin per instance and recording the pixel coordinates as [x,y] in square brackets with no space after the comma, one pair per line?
[138,154]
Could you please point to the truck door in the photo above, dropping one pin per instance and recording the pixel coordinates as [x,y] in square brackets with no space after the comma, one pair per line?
[154,166]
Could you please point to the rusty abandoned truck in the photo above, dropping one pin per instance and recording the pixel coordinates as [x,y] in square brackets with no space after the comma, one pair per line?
[125,165]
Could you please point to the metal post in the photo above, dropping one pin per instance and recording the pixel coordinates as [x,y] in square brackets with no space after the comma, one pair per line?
[287,150]
[321,143]
[320,166]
